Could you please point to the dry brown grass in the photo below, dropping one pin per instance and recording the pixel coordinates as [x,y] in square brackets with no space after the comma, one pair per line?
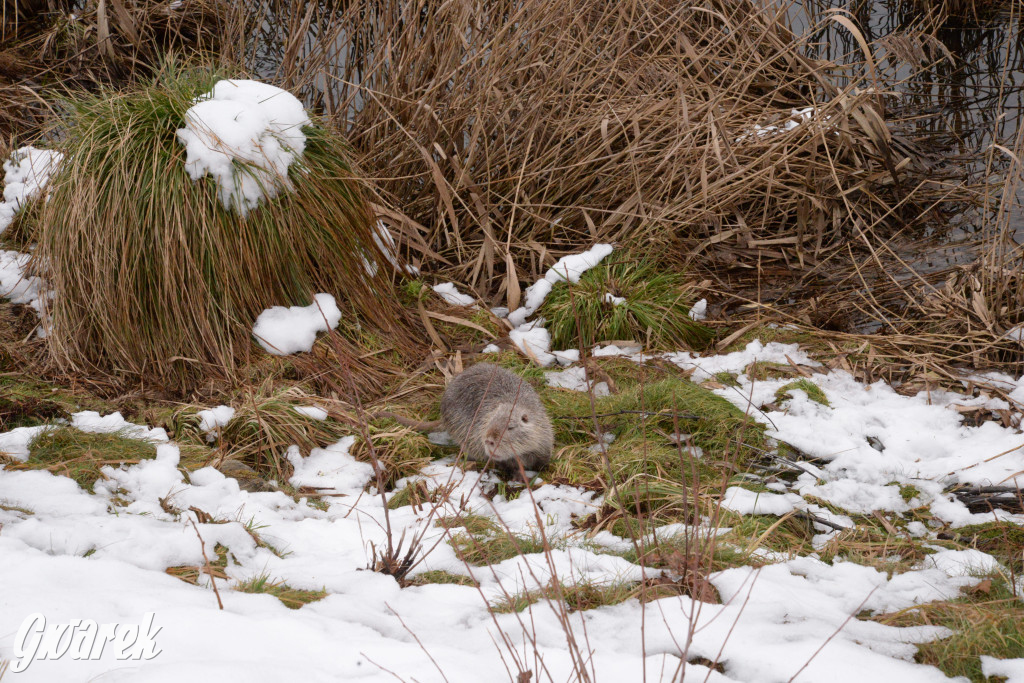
[511,129]
[48,44]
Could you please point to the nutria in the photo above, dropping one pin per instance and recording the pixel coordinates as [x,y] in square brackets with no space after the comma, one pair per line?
[496,417]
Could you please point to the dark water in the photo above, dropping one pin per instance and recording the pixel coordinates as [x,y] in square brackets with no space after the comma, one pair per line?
[970,76]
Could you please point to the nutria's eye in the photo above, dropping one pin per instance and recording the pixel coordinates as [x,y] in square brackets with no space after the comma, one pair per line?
[525,419]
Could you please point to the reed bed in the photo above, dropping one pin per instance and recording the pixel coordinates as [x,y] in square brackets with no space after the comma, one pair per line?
[48,46]
[508,130]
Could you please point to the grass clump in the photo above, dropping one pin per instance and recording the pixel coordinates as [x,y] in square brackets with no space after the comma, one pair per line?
[154,280]
[581,596]
[1003,540]
[812,390]
[760,371]
[988,620]
[872,543]
[473,524]
[80,456]
[28,412]
[494,547]
[787,536]
[215,569]
[442,577]
[655,309]
[401,452]
[908,492]
[654,469]
[292,598]
[265,424]
[727,379]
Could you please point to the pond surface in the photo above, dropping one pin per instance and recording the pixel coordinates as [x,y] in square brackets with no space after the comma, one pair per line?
[975,86]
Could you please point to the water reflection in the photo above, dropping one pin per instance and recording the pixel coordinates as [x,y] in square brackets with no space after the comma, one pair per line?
[969,73]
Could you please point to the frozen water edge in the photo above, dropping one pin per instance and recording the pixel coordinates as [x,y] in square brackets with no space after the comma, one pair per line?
[367,618]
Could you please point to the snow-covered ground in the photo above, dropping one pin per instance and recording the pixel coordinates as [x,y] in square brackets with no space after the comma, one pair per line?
[72,555]
[91,559]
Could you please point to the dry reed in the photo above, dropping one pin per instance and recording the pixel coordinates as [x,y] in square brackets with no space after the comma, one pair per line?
[512,129]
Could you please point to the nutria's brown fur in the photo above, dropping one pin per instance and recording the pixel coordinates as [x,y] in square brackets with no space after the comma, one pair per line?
[497,417]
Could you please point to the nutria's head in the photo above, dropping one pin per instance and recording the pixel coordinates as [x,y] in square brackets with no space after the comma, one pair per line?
[513,430]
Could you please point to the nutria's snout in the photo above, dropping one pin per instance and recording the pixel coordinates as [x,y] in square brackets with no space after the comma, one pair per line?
[500,439]
[491,442]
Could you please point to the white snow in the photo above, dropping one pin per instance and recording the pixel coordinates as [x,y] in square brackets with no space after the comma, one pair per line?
[699,311]
[25,175]
[15,283]
[535,342]
[707,367]
[245,134]
[610,298]
[1011,669]
[15,443]
[91,421]
[450,293]
[213,420]
[283,331]
[746,502]
[312,412]
[575,379]
[71,554]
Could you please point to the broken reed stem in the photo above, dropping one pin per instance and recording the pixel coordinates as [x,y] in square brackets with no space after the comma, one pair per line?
[207,566]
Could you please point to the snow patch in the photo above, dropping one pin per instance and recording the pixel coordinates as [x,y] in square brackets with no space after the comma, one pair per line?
[283,331]
[450,293]
[26,173]
[246,135]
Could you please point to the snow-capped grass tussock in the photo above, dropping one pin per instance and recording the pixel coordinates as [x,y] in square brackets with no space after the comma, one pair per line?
[285,330]
[25,175]
[178,309]
[632,297]
[246,135]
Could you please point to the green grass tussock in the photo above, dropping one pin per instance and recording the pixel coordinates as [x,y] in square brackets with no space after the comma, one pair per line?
[655,309]
[67,451]
[812,390]
[578,596]
[155,282]
[479,551]
[656,473]
[292,598]
[441,577]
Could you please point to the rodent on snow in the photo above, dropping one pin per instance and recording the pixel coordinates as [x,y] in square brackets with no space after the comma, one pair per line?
[497,417]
